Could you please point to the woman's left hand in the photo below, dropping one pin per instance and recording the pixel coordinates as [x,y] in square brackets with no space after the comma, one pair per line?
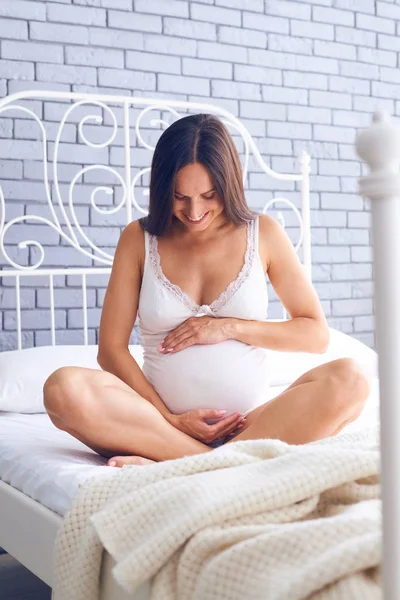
[196,330]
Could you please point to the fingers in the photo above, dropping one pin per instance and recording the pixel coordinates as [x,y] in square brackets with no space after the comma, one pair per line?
[189,341]
[211,413]
[226,425]
[217,417]
[183,341]
[235,429]
[177,332]
[171,341]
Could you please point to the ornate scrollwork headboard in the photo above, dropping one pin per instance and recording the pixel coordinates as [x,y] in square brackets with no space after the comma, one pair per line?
[71,157]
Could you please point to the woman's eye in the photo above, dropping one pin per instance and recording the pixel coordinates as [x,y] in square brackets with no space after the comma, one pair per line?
[205,197]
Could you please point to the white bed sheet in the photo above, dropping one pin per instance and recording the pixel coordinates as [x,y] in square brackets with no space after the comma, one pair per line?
[44,462]
[49,465]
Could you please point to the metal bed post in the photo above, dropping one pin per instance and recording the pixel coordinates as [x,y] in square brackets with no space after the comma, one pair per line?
[379,147]
[304,167]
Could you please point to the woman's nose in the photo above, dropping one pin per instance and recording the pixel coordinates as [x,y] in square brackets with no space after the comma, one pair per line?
[195,210]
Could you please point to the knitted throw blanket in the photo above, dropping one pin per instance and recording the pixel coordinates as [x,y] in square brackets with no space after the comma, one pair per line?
[252,519]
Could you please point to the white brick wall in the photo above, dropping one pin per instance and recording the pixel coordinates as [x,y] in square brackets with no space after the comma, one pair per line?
[301,74]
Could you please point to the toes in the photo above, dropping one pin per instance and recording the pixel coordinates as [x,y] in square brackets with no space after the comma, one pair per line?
[120,461]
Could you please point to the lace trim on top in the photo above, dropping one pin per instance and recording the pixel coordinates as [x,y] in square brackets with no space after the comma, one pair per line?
[225,296]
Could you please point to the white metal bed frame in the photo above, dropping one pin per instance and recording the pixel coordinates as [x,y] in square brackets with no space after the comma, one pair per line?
[23,521]
[70,229]
[379,147]
[25,524]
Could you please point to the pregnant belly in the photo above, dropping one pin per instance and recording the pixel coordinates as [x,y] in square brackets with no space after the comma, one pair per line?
[228,376]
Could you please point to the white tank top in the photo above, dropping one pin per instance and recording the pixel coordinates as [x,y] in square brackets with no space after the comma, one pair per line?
[230,375]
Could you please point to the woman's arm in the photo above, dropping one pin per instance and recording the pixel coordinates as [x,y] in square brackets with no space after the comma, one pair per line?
[307,330]
[119,315]
[299,334]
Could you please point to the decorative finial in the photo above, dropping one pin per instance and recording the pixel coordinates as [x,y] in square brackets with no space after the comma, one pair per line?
[304,160]
[379,145]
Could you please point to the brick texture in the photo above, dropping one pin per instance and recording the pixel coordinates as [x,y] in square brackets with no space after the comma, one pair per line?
[300,75]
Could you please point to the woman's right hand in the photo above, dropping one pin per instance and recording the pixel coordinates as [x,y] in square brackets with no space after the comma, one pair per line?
[193,423]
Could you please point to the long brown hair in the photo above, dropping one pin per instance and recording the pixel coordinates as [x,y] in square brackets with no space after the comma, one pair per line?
[201,138]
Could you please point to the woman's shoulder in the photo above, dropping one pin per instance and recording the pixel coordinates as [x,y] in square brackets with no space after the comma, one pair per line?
[266,224]
[132,241]
[268,228]
[133,233]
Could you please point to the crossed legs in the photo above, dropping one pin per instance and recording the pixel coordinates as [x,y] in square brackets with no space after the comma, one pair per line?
[105,414]
[317,405]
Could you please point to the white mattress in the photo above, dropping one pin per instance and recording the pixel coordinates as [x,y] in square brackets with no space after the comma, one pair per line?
[49,465]
[44,462]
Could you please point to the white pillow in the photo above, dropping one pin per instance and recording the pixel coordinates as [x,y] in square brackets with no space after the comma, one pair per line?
[286,367]
[23,372]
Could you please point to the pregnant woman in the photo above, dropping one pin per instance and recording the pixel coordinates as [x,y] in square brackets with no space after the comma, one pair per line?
[194,271]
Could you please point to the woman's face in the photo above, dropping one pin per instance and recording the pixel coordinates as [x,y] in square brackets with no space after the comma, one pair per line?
[196,201]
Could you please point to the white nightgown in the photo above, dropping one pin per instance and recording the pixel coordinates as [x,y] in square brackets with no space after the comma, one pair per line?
[230,375]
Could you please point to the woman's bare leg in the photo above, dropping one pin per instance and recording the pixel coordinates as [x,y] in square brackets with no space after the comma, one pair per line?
[317,405]
[108,416]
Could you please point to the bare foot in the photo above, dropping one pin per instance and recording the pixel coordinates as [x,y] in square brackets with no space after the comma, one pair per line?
[119,461]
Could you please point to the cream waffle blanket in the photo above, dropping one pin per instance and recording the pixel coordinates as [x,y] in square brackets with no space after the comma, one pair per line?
[249,520]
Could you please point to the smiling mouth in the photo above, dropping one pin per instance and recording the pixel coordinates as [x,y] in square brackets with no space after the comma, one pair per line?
[197,220]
